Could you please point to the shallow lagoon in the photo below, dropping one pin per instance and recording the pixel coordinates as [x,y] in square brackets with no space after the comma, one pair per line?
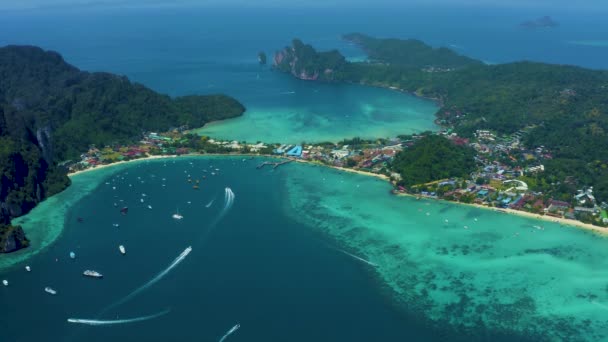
[302,111]
[274,262]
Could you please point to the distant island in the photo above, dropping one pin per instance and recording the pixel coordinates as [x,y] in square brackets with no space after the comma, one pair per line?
[262,58]
[542,22]
[549,119]
[51,112]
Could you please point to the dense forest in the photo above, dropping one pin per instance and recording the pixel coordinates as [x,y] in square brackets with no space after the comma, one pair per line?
[566,106]
[51,112]
[410,53]
[433,157]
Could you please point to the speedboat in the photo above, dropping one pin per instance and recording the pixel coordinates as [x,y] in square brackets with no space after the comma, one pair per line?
[50,290]
[92,274]
[27,268]
[122,250]
[177,216]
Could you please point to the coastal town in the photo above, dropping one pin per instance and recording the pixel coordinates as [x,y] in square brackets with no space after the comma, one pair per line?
[505,177]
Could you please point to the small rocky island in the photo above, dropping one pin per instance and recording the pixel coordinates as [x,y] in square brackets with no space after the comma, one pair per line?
[262,58]
[542,22]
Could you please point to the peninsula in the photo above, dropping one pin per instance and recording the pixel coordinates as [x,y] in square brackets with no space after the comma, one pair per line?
[51,112]
[541,124]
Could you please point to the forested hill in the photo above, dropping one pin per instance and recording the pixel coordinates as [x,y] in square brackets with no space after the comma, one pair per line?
[565,108]
[50,112]
[410,53]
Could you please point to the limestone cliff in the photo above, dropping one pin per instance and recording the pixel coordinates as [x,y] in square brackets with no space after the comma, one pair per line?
[304,62]
[12,239]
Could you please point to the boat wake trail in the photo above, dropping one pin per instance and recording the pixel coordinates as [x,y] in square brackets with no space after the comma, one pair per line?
[230,332]
[358,258]
[118,321]
[603,306]
[228,202]
[154,280]
[210,203]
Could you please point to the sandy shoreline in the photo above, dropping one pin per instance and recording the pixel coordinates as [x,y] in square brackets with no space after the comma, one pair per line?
[561,221]
[103,166]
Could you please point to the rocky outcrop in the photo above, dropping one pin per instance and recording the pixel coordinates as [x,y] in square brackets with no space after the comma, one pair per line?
[262,58]
[304,62]
[12,239]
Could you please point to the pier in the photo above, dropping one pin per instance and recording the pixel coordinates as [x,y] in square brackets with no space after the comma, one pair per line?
[274,164]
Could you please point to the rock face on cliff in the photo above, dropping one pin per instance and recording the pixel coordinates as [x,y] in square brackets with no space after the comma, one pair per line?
[12,239]
[304,62]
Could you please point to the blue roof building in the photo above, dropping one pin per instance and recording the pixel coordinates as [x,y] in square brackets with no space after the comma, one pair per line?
[295,152]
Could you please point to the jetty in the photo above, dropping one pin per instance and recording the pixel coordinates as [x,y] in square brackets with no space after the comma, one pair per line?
[274,164]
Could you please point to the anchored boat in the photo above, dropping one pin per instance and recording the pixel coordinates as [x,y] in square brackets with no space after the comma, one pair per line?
[50,290]
[92,274]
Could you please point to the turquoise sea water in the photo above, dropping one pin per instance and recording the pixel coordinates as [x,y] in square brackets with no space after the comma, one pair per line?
[329,113]
[276,262]
[196,50]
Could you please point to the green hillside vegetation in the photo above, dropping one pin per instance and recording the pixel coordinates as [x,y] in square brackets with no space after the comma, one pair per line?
[409,53]
[433,158]
[50,111]
[567,106]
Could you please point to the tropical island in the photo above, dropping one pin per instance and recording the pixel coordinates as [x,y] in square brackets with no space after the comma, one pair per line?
[544,125]
[542,22]
[521,136]
[51,112]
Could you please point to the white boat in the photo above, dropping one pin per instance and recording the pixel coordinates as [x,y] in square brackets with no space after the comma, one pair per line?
[122,250]
[149,206]
[27,268]
[50,290]
[141,200]
[72,255]
[5,282]
[177,216]
[92,274]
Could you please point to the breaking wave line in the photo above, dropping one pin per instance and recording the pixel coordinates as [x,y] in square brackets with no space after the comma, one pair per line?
[358,258]
[118,321]
[230,332]
[154,280]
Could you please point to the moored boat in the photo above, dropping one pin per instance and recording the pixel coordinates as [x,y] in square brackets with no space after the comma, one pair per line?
[50,290]
[122,250]
[5,282]
[92,274]
[27,268]
[177,216]
[72,255]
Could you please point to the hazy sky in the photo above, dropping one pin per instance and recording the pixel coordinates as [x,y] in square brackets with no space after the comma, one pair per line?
[540,4]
